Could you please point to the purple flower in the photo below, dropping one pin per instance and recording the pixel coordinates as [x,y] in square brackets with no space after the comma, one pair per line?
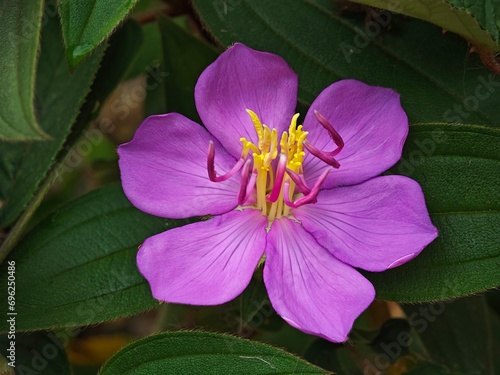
[307,198]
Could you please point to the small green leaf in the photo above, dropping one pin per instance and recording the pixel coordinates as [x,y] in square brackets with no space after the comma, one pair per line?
[204,353]
[477,21]
[59,95]
[185,57]
[37,353]
[120,56]
[77,266]
[20,23]
[86,24]
[150,54]
[151,61]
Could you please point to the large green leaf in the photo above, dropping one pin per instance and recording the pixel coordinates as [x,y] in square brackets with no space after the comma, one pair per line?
[477,21]
[184,57]
[77,266]
[86,24]
[459,168]
[457,164]
[20,25]
[40,353]
[461,334]
[204,353]
[425,67]
[59,95]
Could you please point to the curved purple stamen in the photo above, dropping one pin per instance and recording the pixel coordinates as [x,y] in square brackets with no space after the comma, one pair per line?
[322,155]
[212,175]
[336,138]
[247,182]
[245,178]
[309,198]
[326,156]
[299,181]
[280,173]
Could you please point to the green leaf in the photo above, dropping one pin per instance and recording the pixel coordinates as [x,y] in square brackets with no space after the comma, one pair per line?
[459,168]
[425,67]
[77,266]
[461,334]
[457,165]
[37,353]
[20,27]
[86,24]
[204,353]
[59,95]
[476,21]
[150,53]
[151,62]
[185,57]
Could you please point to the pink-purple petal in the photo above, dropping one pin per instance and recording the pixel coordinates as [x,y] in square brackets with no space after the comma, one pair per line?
[376,225]
[243,78]
[372,124]
[164,170]
[308,287]
[205,263]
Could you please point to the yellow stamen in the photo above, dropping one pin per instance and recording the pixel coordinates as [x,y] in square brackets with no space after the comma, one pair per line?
[264,152]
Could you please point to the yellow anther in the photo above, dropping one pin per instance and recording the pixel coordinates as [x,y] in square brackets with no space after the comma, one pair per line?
[284,143]
[247,145]
[274,143]
[293,124]
[256,122]
[265,140]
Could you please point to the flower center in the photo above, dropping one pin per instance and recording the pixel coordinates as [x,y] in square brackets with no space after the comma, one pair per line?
[269,175]
[272,178]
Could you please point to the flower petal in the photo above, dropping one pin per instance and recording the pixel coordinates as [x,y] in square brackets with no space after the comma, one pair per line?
[205,263]
[242,78]
[164,170]
[372,124]
[376,225]
[308,287]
